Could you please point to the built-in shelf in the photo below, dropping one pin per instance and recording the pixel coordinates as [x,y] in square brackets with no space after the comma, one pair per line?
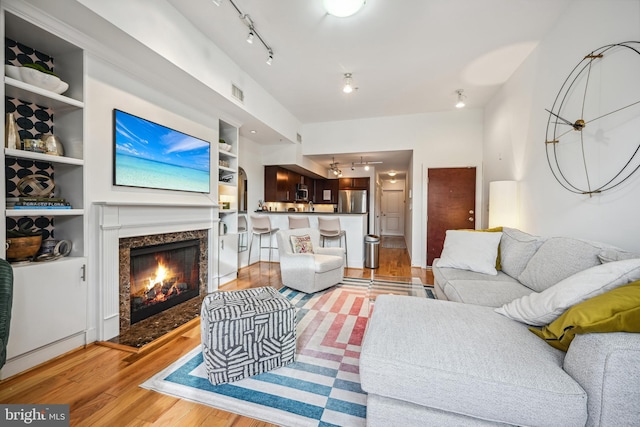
[30,93]
[44,212]
[41,157]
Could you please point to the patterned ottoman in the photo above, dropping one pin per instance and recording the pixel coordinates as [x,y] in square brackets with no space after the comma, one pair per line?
[246,332]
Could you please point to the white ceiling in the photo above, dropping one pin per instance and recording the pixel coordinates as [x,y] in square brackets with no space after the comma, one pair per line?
[406,56]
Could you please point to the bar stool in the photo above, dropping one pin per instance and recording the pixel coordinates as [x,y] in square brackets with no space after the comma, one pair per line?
[298,222]
[330,229]
[261,226]
[243,233]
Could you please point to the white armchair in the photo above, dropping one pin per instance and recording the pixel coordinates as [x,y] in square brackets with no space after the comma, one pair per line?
[309,272]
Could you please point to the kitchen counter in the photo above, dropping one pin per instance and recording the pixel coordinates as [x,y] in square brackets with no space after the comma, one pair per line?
[354,224]
[307,213]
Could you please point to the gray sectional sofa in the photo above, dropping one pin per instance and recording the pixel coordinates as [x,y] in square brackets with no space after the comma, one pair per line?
[461,360]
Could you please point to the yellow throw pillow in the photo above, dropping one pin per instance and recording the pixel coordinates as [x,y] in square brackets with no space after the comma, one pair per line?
[302,244]
[617,310]
[493,230]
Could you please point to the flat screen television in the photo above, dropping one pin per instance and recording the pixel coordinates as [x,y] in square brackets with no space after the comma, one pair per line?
[149,155]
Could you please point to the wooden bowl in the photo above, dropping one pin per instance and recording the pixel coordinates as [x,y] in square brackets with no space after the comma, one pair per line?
[23,248]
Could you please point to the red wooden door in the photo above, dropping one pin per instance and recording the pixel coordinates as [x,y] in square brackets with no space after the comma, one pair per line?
[451,201]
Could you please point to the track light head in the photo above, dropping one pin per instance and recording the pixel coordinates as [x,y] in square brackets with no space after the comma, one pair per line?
[251,36]
[270,57]
[461,98]
[348,83]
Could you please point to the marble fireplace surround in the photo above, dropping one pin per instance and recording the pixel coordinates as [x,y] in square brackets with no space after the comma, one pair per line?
[123,220]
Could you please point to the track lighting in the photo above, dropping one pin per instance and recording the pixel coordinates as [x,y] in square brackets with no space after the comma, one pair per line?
[253,33]
[333,167]
[461,98]
[366,165]
[348,83]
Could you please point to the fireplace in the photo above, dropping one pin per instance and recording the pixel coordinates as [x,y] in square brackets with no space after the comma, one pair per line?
[162,281]
[163,276]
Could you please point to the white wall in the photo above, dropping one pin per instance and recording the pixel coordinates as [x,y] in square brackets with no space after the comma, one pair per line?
[447,139]
[515,130]
[165,31]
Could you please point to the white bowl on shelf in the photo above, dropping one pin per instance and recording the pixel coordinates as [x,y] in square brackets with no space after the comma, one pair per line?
[12,71]
[62,88]
[224,146]
[39,79]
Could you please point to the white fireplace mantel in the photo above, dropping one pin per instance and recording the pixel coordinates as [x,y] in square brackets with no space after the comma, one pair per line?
[118,220]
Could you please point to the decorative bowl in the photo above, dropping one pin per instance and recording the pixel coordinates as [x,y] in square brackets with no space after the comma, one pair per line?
[23,248]
[12,71]
[39,79]
[62,88]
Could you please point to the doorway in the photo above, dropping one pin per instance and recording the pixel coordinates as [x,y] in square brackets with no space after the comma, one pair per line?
[451,201]
[242,190]
[392,212]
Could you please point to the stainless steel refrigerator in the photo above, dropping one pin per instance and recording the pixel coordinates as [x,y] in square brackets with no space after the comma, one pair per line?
[352,201]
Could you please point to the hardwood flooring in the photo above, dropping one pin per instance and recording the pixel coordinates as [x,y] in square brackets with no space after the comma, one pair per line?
[101,383]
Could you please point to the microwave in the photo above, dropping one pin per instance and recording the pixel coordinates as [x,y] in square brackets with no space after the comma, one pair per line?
[302,193]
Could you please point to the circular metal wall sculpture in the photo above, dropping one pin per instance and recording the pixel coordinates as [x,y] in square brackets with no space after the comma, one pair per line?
[593,130]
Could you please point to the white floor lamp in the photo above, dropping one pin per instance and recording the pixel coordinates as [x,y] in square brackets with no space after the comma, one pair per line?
[503,204]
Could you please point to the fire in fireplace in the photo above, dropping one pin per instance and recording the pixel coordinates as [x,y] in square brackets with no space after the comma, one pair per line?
[163,276]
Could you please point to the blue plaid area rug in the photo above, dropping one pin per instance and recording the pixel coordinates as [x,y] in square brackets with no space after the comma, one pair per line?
[321,388]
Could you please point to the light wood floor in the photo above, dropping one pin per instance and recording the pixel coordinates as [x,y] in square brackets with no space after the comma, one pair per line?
[101,384]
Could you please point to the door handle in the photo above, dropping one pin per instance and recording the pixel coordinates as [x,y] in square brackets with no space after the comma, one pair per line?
[471,211]
[470,219]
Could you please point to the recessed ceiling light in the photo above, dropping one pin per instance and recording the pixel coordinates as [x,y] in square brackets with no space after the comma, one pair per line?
[253,131]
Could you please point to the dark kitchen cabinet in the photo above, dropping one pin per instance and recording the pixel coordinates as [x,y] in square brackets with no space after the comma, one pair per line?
[326,184]
[280,184]
[354,183]
[276,184]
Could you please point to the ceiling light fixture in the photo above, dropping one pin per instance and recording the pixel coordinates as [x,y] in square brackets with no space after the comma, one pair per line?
[392,173]
[216,2]
[342,8]
[253,33]
[366,165]
[333,167]
[348,83]
[393,181]
[461,98]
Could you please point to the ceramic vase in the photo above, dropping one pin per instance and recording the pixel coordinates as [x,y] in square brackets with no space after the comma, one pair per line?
[11,134]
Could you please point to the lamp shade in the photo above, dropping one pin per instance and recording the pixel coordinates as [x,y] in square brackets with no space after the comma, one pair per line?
[503,204]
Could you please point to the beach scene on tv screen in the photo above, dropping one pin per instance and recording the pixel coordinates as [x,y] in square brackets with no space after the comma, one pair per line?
[150,155]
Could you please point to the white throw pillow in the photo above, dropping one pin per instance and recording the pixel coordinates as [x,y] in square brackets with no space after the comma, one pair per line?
[542,308]
[470,250]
